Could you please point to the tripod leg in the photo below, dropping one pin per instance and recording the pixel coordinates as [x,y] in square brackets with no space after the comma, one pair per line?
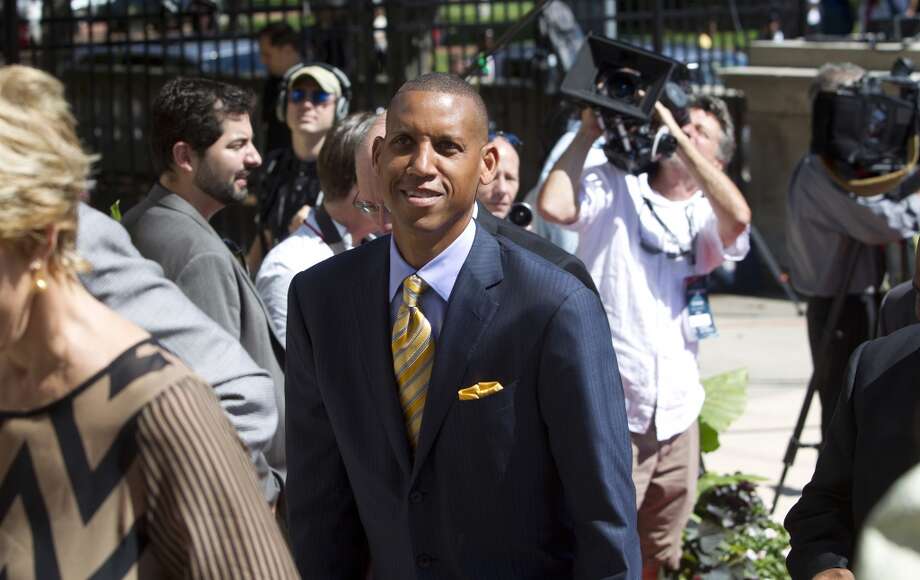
[794,442]
[779,487]
[819,373]
[781,277]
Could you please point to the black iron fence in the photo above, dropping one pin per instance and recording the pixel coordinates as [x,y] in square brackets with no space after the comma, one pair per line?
[114,55]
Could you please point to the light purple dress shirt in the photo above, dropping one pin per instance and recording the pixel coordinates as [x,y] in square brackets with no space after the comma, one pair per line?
[440,274]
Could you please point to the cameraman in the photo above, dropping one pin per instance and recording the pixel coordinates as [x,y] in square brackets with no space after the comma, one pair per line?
[644,238]
[824,225]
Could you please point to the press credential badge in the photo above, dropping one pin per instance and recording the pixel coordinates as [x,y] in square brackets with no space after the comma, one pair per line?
[699,314]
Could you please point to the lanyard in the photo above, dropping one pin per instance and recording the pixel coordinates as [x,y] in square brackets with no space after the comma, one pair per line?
[327,230]
[651,248]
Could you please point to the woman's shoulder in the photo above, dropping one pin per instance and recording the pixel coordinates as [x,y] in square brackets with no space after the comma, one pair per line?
[145,371]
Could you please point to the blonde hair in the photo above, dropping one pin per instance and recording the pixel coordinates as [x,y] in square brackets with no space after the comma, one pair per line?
[44,170]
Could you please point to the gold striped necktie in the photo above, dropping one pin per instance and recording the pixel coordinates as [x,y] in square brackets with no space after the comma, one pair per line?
[413,356]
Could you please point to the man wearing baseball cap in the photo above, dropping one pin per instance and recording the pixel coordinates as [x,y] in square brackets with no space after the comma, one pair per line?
[313,98]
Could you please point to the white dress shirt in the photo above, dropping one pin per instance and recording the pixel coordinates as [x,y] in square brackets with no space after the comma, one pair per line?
[440,274]
[299,251]
[643,292]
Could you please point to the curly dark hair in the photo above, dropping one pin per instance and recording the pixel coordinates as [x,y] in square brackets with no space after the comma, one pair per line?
[192,110]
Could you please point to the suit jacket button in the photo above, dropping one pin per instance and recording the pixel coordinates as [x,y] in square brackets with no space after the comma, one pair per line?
[424,561]
[416,496]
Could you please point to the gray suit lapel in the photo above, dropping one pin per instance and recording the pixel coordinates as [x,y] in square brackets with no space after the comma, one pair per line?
[163,197]
[469,312]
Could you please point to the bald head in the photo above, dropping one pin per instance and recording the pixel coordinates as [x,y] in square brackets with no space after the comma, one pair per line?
[456,87]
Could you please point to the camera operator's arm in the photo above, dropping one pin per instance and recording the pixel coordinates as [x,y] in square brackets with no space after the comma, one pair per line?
[731,210]
[558,198]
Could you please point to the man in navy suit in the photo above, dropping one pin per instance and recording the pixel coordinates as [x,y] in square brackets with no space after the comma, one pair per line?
[454,404]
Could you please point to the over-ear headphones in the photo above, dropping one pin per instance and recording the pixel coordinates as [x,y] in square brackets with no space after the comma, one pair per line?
[341,103]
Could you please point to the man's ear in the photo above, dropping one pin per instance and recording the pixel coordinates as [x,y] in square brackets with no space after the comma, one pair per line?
[375,154]
[183,156]
[488,166]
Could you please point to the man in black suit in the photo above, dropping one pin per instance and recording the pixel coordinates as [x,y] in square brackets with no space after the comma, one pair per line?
[900,306]
[456,409]
[871,442]
[536,244]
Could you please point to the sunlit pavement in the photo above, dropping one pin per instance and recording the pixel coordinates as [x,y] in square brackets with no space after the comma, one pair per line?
[769,339]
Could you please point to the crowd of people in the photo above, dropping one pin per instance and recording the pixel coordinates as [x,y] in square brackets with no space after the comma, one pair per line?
[395,381]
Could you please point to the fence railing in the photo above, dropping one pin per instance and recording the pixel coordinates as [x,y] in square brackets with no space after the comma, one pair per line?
[114,55]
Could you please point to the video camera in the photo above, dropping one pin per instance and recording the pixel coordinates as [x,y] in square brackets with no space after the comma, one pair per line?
[867,137]
[623,82]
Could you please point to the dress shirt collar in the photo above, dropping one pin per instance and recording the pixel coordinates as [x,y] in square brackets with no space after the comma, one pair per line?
[441,272]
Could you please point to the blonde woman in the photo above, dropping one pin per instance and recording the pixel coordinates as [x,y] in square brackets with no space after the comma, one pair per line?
[115,460]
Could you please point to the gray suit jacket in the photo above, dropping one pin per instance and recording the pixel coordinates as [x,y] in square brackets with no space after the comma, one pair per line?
[169,231]
[136,289]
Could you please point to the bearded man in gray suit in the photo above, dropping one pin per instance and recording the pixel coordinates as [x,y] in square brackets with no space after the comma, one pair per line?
[136,288]
[202,149]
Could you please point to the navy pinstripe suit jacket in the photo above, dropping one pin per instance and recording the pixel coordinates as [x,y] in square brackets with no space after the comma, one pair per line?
[532,482]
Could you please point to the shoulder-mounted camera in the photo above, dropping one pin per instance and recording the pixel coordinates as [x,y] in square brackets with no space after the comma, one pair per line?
[623,82]
[866,133]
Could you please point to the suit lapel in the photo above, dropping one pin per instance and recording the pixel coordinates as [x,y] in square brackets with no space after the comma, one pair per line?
[372,323]
[162,196]
[470,310]
[486,220]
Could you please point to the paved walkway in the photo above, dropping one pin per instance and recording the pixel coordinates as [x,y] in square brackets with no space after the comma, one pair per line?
[767,337]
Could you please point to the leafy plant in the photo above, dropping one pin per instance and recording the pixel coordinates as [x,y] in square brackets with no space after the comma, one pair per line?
[710,479]
[726,398]
[731,536]
[115,210]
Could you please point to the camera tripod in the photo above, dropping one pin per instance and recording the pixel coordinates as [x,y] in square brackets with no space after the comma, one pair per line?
[781,277]
[823,363]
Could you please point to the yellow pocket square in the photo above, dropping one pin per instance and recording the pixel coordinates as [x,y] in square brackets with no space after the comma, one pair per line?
[479,391]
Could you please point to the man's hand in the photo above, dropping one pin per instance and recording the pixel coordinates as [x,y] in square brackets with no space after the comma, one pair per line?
[835,574]
[591,127]
[666,117]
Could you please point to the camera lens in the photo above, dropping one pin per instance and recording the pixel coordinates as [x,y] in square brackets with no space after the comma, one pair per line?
[623,85]
[619,84]
[520,214]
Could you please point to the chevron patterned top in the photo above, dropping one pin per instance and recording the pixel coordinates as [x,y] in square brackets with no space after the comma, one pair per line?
[123,478]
